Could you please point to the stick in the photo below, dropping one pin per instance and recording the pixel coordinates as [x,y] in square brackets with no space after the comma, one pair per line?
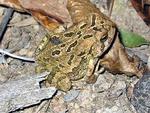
[5,21]
[17,57]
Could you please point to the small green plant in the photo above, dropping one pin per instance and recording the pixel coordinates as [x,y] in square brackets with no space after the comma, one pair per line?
[131,40]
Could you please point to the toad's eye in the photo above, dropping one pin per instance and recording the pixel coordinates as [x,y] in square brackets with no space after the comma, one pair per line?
[104,38]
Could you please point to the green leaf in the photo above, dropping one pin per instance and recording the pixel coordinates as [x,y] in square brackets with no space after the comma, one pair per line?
[131,40]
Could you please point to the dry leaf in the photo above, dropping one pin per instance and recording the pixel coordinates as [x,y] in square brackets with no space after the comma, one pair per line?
[143,9]
[118,61]
[50,13]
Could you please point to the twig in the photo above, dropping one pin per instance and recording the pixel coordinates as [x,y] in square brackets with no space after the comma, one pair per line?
[111,7]
[5,21]
[17,57]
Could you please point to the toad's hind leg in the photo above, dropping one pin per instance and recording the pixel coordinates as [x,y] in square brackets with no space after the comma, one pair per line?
[60,81]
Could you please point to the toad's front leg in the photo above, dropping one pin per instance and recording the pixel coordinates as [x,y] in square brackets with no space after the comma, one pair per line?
[60,80]
[91,77]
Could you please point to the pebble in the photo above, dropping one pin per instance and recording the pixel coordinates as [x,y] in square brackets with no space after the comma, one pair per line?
[103,82]
[71,95]
[117,89]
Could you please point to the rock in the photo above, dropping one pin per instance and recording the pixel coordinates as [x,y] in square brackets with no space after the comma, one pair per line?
[141,94]
[71,95]
[58,105]
[117,89]
[103,82]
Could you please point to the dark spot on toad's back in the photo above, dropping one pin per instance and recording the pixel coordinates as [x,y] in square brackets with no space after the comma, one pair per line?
[87,36]
[84,25]
[81,53]
[69,34]
[102,22]
[71,46]
[70,59]
[97,29]
[56,52]
[93,20]
[79,36]
[60,65]
[79,32]
[63,45]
